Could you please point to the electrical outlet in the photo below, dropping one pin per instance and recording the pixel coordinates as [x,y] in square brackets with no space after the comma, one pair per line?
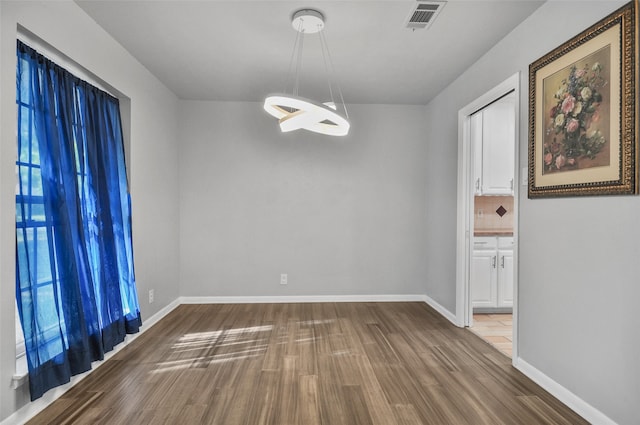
[283,279]
[151,296]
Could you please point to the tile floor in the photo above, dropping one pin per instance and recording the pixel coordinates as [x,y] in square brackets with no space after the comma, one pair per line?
[496,329]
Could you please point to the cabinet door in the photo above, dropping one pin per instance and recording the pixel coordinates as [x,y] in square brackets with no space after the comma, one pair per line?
[498,146]
[483,279]
[505,278]
[476,151]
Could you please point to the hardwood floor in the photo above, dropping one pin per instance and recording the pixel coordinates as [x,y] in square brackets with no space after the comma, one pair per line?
[328,363]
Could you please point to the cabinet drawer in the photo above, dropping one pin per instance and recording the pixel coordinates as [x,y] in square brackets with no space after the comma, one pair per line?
[505,242]
[485,242]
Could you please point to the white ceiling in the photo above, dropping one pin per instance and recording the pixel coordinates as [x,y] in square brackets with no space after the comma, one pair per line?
[240,50]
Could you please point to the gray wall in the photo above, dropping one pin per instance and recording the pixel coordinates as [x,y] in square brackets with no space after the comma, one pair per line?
[578,264]
[341,216]
[153,163]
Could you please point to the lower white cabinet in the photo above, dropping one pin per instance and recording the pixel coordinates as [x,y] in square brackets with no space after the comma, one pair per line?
[492,272]
[505,278]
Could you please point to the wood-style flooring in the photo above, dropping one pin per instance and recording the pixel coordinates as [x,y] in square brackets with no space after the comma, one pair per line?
[325,363]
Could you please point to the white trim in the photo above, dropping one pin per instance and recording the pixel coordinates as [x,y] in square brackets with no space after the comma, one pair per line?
[324,299]
[464,219]
[443,311]
[516,222]
[29,410]
[147,323]
[301,299]
[19,378]
[575,403]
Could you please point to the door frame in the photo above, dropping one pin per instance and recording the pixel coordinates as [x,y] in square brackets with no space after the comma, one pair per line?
[464,230]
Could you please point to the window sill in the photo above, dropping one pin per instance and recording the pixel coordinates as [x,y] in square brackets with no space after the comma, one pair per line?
[21,376]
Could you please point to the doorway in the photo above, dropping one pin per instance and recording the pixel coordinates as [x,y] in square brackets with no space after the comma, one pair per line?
[487,226]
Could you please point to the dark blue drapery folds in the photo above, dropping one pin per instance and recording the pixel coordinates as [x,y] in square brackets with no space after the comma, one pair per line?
[75,284]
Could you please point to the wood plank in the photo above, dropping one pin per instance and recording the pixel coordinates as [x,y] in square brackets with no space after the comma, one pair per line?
[356,406]
[406,414]
[308,404]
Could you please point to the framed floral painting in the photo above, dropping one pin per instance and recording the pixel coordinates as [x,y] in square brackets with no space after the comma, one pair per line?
[583,112]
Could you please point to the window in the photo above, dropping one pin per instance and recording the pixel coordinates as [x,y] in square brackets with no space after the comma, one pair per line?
[75,285]
[33,228]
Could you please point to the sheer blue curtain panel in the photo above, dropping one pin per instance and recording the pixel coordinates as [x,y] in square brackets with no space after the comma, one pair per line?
[75,284]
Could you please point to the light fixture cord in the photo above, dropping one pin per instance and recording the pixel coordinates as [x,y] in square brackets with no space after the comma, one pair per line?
[324,41]
[323,47]
[299,63]
[293,55]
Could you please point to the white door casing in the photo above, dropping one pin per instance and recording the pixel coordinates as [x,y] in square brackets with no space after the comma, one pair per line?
[465,194]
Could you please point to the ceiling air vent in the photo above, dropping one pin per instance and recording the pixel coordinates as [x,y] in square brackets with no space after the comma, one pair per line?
[424,13]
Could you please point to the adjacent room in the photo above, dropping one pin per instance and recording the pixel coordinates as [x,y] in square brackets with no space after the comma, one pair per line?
[288,212]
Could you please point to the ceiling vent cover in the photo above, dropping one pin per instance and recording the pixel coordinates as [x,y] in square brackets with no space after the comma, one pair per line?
[424,13]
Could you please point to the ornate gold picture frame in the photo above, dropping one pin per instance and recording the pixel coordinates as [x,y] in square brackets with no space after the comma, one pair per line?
[583,112]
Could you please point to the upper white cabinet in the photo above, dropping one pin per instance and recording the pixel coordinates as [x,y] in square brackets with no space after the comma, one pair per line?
[493,140]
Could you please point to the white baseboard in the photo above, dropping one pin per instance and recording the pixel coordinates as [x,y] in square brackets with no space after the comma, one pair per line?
[31,409]
[574,402]
[324,299]
[440,309]
[301,299]
[147,323]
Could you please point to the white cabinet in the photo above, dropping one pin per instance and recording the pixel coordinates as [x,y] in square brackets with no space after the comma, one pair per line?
[505,278]
[476,146]
[483,278]
[493,139]
[492,272]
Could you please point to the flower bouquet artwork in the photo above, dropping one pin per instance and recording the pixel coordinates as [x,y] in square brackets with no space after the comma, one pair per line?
[583,112]
[577,125]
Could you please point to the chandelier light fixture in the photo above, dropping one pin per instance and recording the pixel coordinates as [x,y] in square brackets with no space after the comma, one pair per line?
[295,112]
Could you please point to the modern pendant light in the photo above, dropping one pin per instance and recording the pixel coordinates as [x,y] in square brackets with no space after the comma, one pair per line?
[295,112]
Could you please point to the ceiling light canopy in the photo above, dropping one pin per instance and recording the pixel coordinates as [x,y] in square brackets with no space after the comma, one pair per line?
[295,112]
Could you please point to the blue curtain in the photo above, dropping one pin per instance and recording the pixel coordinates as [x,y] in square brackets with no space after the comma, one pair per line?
[75,284]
